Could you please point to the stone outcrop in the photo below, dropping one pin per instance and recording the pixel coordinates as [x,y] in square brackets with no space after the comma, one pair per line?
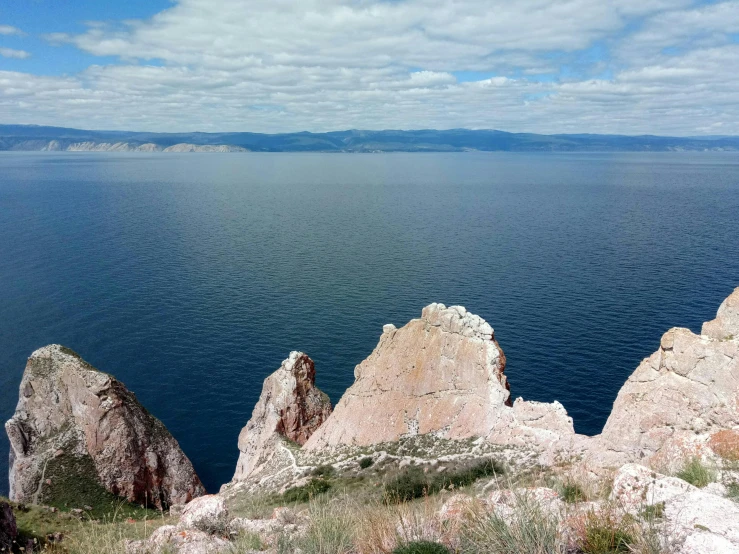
[77,432]
[440,374]
[290,407]
[726,324]
[681,400]
[8,528]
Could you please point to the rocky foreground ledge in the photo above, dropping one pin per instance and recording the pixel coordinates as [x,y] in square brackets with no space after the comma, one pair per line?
[431,406]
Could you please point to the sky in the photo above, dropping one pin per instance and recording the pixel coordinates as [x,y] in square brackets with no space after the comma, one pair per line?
[668,67]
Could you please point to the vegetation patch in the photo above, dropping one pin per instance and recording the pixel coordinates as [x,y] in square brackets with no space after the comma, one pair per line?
[725,443]
[527,530]
[307,492]
[697,473]
[421,547]
[366,462]
[572,492]
[414,483]
[605,533]
[74,486]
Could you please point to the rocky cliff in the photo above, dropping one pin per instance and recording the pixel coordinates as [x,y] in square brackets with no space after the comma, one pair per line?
[290,407]
[78,433]
[441,374]
[681,401]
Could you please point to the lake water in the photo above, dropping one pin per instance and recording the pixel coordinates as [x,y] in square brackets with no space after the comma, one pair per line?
[191,277]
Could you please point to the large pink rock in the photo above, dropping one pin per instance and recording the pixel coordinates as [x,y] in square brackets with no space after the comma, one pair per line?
[679,401]
[79,428]
[440,374]
[290,407]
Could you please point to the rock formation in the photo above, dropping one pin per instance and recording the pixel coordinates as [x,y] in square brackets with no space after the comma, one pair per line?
[681,399]
[78,432]
[440,374]
[290,407]
[8,528]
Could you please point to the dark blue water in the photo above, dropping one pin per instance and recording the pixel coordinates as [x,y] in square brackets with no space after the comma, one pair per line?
[191,277]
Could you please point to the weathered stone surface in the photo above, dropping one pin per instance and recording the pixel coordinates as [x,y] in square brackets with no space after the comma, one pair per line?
[689,387]
[8,528]
[636,486]
[440,374]
[726,324]
[77,430]
[705,522]
[169,539]
[290,407]
[207,513]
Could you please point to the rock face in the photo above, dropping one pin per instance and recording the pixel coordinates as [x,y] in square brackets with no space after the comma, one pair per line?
[8,528]
[683,395]
[290,407]
[726,324]
[440,374]
[78,432]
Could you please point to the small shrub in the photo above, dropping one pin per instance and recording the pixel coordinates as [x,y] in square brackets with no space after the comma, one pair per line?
[732,491]
[413,483]
[605,533]
[421,547]
[529,530]
[324,471]
[697,473]
[410,484]
[571,492]
[364,463]
[653,511]
[308,491]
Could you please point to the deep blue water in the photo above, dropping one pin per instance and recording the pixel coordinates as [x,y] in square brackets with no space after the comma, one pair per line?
[191,277]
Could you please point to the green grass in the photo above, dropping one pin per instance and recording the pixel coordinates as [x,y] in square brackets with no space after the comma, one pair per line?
[571,492]
[364,463]
[414,483]
[528,530]
[307,492]
[697,473]
[605,533]
[732,491]
[421,547]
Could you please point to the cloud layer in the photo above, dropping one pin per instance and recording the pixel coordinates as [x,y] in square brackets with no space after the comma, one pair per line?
[611,66]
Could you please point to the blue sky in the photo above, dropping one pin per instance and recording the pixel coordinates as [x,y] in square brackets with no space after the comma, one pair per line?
[601,66]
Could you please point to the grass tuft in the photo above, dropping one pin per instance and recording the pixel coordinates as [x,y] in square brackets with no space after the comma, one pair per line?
[697,473]
[528,530]
[421,547]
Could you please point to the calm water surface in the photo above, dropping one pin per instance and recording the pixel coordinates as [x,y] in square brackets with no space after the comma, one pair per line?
[191,277]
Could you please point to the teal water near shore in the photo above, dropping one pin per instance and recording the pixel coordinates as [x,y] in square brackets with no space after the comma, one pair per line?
[191,276]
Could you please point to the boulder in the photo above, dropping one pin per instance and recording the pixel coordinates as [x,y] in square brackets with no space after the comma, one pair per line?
[8,528]
[290,407]
[440,374]
[78,433]
[635,487]
[169,539]
[207,513]
[703,523]
[680,401]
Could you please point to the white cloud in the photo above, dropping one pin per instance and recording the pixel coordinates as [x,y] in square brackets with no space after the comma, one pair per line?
[9,30]
[18,54]
[286,65]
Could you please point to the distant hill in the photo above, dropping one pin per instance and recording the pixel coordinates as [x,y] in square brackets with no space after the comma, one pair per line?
[32,137]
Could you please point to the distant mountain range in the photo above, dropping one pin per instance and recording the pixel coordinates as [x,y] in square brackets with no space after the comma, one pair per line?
[33,137]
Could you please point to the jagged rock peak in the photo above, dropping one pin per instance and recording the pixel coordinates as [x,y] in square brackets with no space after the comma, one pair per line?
[726,324]
[79,432]
[456,319]
[290,407]
[441,373]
